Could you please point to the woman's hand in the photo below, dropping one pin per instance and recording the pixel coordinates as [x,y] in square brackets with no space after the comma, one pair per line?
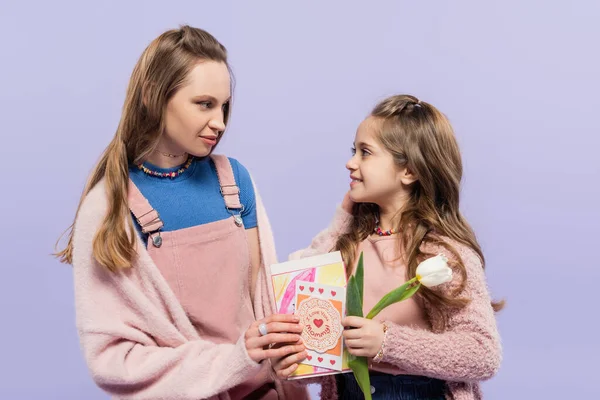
[286,365]
[280,329]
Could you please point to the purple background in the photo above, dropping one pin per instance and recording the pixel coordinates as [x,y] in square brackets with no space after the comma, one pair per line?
[519,81]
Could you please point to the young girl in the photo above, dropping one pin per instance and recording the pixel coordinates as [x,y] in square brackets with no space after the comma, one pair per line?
[170,287]
[402,208]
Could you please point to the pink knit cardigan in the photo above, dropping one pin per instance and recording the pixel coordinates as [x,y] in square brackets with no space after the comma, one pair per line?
[464,352]
[136,337]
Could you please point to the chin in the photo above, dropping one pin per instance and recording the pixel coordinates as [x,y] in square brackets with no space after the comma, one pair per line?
[358,198]
[363,198]
[201,153]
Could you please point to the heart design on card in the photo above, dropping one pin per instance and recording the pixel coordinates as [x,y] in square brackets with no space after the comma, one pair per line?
[332,362]
[301,287]
[309,357]
[333,293]
[321,290]
[320,359]
[312,289]
[322,324]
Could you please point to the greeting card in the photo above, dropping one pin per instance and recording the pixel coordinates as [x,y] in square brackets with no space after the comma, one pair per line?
[291,282]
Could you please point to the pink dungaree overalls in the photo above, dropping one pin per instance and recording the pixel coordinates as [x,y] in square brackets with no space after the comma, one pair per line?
[208,268]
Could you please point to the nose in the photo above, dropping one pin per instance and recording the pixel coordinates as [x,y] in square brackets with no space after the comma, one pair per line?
[351,164]
[217,122]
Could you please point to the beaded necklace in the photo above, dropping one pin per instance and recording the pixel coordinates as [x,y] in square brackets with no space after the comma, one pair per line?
[171,174]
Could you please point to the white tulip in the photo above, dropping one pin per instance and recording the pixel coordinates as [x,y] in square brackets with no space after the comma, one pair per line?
[434,271]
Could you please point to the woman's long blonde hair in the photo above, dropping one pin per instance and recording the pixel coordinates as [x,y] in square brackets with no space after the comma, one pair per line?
[420,138]
[159,73]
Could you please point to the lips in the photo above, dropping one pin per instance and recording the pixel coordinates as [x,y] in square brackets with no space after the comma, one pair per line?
[210,140]
[354,181]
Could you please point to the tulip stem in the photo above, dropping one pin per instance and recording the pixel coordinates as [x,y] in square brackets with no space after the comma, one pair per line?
[403,292]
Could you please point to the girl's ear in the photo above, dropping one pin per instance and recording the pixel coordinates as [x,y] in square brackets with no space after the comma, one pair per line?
[407,177]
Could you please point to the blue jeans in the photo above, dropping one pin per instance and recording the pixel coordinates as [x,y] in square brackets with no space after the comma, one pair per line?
[392,387]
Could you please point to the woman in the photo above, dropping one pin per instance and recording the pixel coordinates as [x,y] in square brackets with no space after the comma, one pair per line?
[170,243]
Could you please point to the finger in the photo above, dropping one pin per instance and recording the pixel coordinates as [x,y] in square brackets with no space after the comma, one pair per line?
[278,345]
[347,203]
[360,352]
[284,374]
[284,327]
[295,358]
[352,334]
[290,318]
[354,343]
[283,351]
[274,327]
[354,322]
[272,338]
[275,354]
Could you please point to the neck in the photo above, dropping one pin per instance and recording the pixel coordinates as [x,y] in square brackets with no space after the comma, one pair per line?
[389,214]
[166,159]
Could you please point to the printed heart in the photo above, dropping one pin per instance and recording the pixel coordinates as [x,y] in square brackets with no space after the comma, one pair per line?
[309,357]
[320,359]
[301,287]
[318,322]
[312,289]
[321,290]
[332,362]
[333,292]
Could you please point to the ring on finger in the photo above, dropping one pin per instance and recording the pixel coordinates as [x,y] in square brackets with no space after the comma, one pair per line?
[262,329]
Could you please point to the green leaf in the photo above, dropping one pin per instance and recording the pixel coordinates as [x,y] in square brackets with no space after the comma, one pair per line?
[360,277]
[403,292]
[354,305]
[360,368]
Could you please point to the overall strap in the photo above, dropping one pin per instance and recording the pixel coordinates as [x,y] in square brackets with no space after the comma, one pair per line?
[145,215]
[229,189]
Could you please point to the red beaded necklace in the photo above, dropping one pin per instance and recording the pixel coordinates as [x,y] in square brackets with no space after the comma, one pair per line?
[172,174]
[381,232]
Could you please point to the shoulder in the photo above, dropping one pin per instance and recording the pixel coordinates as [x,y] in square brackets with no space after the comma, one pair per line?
[472,276]
[452,249]
[239,169]
[240,172]
[94,204]
[242,175]
[92,212]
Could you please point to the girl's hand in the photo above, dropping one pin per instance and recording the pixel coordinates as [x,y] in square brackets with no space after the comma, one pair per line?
[347,203]
[280,329]
[365,339]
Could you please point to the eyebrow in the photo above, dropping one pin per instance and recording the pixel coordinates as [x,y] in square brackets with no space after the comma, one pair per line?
[359,144]
[211,98]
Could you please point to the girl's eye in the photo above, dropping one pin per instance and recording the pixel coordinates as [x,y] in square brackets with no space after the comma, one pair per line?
[363,152]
